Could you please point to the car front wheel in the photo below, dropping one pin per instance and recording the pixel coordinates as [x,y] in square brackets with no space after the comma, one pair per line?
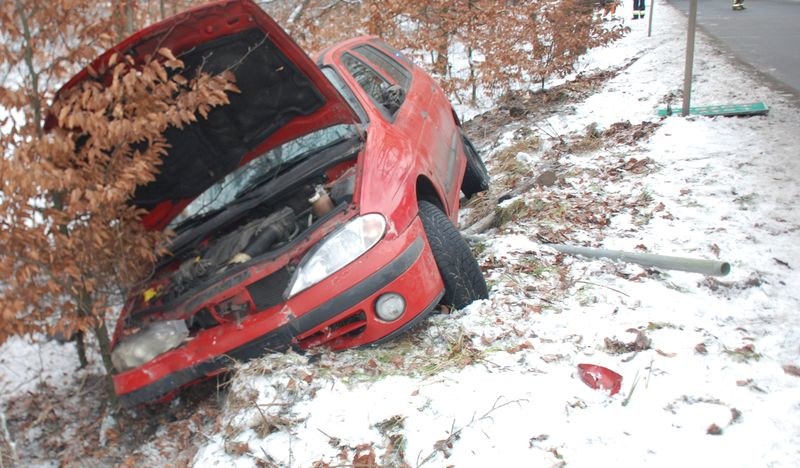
[462,277]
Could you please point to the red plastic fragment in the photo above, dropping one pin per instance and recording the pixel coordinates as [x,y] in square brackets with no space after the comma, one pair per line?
[600,377]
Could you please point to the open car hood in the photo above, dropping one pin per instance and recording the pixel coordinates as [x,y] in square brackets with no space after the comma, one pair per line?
[283,95]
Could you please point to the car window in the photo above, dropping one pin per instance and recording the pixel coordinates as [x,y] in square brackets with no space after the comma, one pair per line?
[394,53]
[345,91]
[375,85]
[387,64]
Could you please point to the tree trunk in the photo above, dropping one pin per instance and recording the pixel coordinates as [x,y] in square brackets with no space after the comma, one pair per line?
[34,96]
[80,347]
[35,104]
[473,85]
[129,17]
[162,10]
[375,24]
[442,60]
[8,455]
[103,341]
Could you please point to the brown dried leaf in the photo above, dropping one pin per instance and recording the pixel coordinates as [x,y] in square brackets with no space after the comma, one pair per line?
[166,53]
[791,370]
[365,457]
[237,448]
[714,430]
[397,360]
[519,347]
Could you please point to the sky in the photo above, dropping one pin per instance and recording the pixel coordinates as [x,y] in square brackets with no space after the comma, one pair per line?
[706,363]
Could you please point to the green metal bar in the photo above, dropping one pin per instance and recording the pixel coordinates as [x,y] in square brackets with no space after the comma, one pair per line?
[729,110]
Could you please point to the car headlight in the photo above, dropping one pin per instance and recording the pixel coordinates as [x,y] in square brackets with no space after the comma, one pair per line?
[337,250]
[154,339]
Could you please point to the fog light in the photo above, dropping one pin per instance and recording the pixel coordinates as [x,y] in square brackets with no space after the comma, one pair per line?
[390,306]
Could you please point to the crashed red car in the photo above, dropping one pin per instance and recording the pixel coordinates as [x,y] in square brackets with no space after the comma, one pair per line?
[316,209]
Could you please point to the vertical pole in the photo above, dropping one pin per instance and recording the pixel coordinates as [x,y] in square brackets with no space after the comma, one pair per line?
[650,24]
[687,73]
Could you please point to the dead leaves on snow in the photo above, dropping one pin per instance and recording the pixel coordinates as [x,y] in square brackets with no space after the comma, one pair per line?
[625,133]
[754,280]
[744,353]
[640,343]
[791,370]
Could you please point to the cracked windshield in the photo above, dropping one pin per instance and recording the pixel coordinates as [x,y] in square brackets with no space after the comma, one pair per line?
[260,170]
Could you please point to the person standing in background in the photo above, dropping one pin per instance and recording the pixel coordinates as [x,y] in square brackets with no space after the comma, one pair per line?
[638,9]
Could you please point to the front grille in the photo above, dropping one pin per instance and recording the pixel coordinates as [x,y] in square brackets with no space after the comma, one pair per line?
[351,326]
[201,321]
[268,291]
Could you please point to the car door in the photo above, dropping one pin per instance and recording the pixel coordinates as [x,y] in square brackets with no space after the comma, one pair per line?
[417,109]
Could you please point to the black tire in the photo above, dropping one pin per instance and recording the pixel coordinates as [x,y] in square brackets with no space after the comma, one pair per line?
[476,177]
[462,277]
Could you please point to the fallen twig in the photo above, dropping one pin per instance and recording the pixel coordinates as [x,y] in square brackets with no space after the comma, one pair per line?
[6,443]
[444,444]
[633,387]
[602,286]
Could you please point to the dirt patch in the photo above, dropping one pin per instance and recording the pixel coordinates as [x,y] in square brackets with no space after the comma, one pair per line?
[69,424]
[524,105]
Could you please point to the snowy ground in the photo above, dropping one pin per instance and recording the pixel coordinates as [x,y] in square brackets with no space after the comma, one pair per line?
[709,366]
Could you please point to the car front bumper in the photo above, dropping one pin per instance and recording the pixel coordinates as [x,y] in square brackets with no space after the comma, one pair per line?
[304,320]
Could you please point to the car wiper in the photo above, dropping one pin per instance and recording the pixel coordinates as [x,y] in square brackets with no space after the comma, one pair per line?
[258,182]
[198,218]
[346,149]
[280,169]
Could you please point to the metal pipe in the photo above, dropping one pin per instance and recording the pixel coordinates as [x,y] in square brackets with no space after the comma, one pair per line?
[694,265]
[650,21]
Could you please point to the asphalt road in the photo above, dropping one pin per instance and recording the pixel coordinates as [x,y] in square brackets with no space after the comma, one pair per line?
[766,34]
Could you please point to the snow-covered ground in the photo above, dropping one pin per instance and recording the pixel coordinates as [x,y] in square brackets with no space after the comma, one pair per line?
[709,366]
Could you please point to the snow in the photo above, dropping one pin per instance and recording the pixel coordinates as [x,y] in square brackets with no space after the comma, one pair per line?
[28,362]
[497,383]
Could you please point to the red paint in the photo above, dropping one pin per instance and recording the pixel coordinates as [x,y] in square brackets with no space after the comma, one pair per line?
[416,143]
[204,24]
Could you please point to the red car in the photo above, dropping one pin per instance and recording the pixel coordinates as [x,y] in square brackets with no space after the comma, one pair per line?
[316,209]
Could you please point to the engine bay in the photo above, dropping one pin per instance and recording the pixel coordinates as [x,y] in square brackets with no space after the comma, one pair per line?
[260,234]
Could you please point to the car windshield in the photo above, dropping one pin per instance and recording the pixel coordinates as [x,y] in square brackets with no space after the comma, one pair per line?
[260,170]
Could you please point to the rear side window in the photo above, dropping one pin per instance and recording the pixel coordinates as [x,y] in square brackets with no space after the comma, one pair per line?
[394,53]
[387,64]
[370,81]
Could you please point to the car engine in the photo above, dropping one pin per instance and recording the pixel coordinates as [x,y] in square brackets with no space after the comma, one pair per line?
[265,230]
